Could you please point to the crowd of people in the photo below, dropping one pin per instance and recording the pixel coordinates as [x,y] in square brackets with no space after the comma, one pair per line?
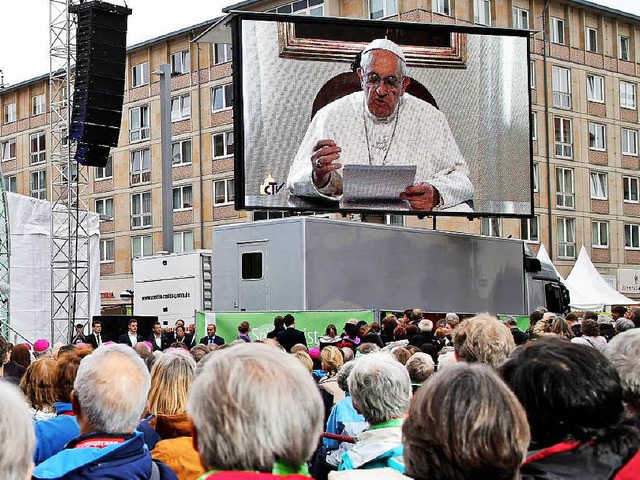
[449,398]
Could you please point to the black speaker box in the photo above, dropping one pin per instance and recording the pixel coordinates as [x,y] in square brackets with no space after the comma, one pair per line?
[115,325]
[101,39]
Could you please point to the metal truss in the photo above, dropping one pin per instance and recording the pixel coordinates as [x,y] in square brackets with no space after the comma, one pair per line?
[69,185]
[5,325]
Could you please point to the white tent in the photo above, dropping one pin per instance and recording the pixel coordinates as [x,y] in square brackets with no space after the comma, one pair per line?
[592,291]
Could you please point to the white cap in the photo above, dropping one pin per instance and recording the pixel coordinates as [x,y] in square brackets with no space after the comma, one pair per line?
[385,44]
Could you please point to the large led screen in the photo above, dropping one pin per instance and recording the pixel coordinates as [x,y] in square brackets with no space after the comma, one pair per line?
[352,115]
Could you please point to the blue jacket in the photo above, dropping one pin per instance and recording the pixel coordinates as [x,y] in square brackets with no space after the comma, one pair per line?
[342,415]
[54,433]
[130,460]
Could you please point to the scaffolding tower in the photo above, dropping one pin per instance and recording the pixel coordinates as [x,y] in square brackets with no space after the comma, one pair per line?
[69,185]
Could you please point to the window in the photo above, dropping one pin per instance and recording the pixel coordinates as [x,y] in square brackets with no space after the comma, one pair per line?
[535,177]
[491,227]
[629,142]
[530,229]
[180,62]
[181,152]
[598,184]
[38,104]
[107,251]
[180,107]
[566,237]
[442,7]
[628,95]
[223,192]
[520,18]
[38,184]
[591,40]
[8,149]
[252,266]
[630,187]
[222,53]
[102,173]
[482,12]
[222,97]
[141,246]
[140,166]
[222,144]
[595,88]
[139,123]
[302,7]
[269,214]
[532,74]
[600,234]
[565,194]
[561,84]
[37,148]
[394,220]
[563,137]
[623,48]
[534,126]
[11,183]
[182,199]
[9,113]
[382,8]
[632,237]
[183,242]
[140,74]
[104,207]
[597,137]
[141,210]
[557,31]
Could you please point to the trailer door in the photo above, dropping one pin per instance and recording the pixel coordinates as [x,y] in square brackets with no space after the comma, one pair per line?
[252,290]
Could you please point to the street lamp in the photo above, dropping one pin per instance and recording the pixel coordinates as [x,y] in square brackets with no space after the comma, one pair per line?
[127,295]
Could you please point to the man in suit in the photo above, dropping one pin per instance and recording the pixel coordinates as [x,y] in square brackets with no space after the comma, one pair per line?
[132,337]
[95,339]
[291,336]
[212,338]
[519,337]
[157,339]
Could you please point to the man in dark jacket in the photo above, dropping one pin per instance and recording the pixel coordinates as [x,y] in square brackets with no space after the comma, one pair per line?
[291,336]
[212,338]
[518,335]
[109,397]
[132,337]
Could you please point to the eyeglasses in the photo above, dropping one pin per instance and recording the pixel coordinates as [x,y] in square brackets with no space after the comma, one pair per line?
[391,82]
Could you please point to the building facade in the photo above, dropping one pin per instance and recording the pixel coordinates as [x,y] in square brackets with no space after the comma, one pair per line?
[584,118]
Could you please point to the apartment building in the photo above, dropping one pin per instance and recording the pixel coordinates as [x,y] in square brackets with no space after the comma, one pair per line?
[585,136]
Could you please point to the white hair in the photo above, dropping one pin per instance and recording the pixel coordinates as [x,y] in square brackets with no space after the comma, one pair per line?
[446,359]
[623,352]
[425,325]
[112,387]
[16,429]
[253,405]
[380,387]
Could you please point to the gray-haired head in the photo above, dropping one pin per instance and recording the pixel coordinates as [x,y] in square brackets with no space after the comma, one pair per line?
[623,352]
[111,387]
[254,405]
[343,376]
[17,431]
[367,348]
[425,325]
[380,387]
[420,367]
[624,324]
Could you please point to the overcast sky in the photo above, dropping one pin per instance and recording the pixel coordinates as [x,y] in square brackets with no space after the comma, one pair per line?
[24,34]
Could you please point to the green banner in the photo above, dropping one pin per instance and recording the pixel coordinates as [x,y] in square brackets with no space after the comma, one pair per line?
[313,324]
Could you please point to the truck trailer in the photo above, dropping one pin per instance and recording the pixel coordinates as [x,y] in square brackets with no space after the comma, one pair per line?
[314,263]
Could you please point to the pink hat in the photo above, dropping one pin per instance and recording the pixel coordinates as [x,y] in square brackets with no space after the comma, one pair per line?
[149,345]
[41,345]
[314,353]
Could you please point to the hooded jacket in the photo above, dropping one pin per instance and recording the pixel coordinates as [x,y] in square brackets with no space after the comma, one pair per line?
[53,434]
[176,447]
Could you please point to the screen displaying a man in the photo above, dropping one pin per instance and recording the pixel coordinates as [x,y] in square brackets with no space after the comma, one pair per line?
[385,126]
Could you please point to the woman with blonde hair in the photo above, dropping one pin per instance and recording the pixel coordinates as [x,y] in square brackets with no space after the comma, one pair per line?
[171,377]
[38,386]
[332,360]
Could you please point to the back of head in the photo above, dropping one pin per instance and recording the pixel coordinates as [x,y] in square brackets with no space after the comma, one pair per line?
[68,365]
[535,317]
[624,324]
[590,328]
[112,387]
[380,387]
[289,320]
[569,391]
[21,355]
[465,423]
[367,348]
[618,310]
[425,325]
[17,433]
[332,359]
[420,367]
[278,321]
[38,383]
[416,315]
[343,376]
[304,358]
[254,405]
[171,377]
[483,339]
[401,354]
[590,315]
[623,351]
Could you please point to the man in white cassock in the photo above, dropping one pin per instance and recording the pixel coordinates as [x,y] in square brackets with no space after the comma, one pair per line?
[382,125]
